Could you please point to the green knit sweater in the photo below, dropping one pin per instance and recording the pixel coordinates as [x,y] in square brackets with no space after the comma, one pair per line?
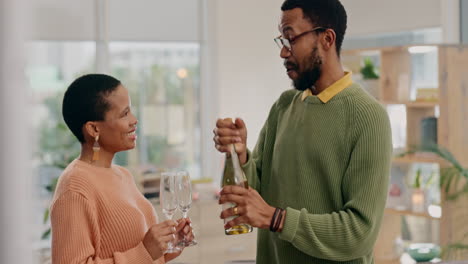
[328,164]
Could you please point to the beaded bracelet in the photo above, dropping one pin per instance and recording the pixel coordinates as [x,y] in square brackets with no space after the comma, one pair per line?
[273,219]
[278,221]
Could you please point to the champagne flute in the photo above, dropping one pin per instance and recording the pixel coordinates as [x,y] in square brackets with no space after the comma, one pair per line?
[184,200]
[168,199]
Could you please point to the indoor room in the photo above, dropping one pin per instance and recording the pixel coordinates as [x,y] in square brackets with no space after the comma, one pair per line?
[349,122]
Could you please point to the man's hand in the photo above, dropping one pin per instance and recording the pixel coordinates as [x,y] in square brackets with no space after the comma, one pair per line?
[228,132]
[251,207]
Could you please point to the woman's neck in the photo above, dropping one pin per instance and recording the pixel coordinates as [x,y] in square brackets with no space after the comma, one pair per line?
[105,158]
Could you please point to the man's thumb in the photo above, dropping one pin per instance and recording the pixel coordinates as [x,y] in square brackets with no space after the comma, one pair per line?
[240,123]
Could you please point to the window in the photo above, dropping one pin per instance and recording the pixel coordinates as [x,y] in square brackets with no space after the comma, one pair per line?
[51,67]
[163,80]
[161,75]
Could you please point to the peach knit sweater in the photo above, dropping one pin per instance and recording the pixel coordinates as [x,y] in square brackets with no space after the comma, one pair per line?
[99,217]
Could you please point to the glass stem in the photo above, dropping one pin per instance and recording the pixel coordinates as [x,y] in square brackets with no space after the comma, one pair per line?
[185,215]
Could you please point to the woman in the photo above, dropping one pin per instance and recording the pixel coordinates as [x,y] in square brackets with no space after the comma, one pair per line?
[97,214]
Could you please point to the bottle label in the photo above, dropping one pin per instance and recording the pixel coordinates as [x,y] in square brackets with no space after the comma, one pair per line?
[227,206]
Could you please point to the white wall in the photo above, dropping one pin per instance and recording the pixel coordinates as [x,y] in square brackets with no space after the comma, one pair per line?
[450,20]
[250,72]
[154,20]
[367,17]
[211,160]
[138,20]
[250,75]
[15,246]
[63,19]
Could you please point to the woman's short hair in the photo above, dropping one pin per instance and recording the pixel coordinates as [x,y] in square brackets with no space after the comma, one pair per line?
[85,100]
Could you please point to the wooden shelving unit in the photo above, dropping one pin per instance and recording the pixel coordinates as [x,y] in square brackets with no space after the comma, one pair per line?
[416,104]
[417,158]
[409,213]
[452,128]
[412,104]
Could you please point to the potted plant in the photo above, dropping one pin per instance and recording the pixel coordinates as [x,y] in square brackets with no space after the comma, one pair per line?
[370,78]
[419,188]
[453,184]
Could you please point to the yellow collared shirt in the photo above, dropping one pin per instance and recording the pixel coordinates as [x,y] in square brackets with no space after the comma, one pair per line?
[327,94]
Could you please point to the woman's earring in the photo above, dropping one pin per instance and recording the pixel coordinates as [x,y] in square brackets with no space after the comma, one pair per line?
[96,148]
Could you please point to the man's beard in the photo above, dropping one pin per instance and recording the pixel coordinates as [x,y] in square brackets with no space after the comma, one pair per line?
[310,75]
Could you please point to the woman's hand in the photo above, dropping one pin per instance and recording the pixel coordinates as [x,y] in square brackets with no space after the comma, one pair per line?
[187,231]
[184,229]
[157,237]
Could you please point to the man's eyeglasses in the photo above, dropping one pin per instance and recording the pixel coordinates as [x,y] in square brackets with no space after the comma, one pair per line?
[284,42]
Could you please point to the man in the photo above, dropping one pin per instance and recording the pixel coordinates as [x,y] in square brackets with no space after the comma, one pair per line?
[323,154]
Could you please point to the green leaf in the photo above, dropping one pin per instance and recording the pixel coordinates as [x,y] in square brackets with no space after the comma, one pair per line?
[46,215]
[454,196]
[52,185]
[451,176]
[448,182]
[431,179]
[46,234]
[417,180]
[457,246]
[453,247]
[369,71]
[457,177]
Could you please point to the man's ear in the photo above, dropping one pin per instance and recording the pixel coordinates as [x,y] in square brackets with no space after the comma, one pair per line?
[328,39]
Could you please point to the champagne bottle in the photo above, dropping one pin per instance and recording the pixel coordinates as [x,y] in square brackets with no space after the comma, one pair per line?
[234,176]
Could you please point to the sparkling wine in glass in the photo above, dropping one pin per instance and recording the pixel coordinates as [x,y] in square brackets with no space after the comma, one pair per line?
[184,199]
[168,199]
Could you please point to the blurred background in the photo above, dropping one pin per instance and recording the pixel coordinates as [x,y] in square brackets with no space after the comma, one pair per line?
[187,63]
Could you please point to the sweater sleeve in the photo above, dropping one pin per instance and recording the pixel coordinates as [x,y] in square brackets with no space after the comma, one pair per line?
[75,232]
[253,166]
[351,232]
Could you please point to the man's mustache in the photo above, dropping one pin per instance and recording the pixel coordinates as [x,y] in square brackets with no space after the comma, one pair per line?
[290,65]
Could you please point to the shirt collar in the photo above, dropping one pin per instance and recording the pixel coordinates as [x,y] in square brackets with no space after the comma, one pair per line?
[330,92]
